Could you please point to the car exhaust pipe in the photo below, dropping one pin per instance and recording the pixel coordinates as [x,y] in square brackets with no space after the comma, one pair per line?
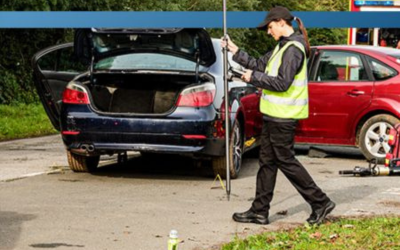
[90,148]
[84,149]
[87,147]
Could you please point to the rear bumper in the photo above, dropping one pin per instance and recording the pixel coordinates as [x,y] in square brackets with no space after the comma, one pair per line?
[204,148]
[187,131]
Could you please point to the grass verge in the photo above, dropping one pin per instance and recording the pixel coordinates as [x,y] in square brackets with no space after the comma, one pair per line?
[24,120]
[351,234]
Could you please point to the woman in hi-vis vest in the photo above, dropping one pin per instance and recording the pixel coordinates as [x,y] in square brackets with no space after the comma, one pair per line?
[282,76]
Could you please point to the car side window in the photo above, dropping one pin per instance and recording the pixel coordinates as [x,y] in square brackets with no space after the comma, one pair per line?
[381,71]
[61,60]
[340,66]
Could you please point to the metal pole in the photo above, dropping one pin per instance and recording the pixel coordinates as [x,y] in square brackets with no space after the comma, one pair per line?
[227,124]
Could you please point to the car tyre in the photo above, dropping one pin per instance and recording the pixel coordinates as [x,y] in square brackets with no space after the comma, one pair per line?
[374,136]
[235,154]
[80,163]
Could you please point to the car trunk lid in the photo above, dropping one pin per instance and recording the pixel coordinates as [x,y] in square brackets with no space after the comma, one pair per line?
[195,45]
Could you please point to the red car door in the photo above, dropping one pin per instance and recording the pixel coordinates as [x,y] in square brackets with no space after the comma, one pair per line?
[253,116]
[339,91]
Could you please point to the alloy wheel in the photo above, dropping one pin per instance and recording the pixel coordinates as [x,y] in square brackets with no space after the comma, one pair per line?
[237,148]
[376,139]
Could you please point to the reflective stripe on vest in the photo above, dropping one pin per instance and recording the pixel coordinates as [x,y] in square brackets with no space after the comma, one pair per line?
[292,103]
[278,100]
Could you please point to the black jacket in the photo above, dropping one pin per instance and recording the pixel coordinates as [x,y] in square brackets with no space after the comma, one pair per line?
[292,62]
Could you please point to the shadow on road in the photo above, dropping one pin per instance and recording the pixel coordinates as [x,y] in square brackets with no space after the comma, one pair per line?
[155,166]
[329,152]
[164,166]
[341,196]
[318,152]
[11,224]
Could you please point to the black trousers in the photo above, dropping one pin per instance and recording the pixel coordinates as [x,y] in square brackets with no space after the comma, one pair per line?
[277,151]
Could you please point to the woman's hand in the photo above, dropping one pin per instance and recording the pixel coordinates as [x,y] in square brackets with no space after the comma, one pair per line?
[229,44]
[247,75]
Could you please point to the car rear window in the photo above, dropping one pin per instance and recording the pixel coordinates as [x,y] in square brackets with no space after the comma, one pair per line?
[146,61]
[381,71]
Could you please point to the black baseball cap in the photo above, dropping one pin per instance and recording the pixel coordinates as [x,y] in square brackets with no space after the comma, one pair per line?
[274,14]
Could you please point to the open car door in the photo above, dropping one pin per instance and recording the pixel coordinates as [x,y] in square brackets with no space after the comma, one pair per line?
[53,69]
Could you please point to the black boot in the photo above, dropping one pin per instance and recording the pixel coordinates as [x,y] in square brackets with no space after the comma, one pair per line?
[250,217]
[318,215]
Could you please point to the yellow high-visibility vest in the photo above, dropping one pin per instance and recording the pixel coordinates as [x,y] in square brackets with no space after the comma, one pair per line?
[292,103]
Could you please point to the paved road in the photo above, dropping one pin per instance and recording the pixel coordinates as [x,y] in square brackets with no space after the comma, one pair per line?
[135,205]
[29,157]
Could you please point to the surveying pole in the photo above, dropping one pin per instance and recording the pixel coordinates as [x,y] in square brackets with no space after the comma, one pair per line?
[226,94]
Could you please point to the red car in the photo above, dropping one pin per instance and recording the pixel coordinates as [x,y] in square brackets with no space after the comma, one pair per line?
[354,98]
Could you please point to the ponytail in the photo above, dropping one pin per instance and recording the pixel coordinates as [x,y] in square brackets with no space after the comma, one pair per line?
[305,35]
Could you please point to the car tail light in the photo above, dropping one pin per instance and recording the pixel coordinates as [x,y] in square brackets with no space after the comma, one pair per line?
[68,132]
[75,94]
[198,96]
[195,137]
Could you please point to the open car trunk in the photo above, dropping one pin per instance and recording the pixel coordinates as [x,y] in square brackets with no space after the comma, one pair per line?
[139,93]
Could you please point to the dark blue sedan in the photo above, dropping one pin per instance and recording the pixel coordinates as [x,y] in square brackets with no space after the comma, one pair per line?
[152,91]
